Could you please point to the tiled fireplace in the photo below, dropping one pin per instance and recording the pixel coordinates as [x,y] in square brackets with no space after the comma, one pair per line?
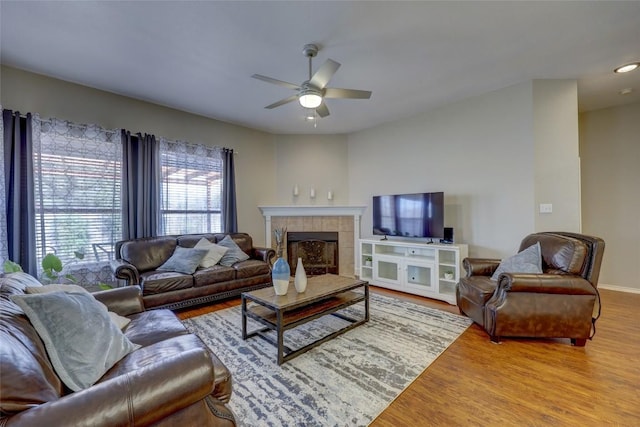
[344,220]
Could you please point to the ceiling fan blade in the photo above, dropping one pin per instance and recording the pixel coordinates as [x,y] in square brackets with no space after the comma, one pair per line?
[276,81]
[322,110]
[324,73]
[282,102]
[332,92]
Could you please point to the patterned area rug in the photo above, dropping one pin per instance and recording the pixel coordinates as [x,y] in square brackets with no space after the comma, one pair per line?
[347,381]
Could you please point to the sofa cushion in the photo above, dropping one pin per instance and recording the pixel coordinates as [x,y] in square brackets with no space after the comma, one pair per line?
[149,327]
[184,260]
[67,323]
[214,254]
[251,268]
[157,282]
[148,254]
[215,274]
[560,254]
[155,352]
[22,355]
[527,261]
[234,254]
[190,240]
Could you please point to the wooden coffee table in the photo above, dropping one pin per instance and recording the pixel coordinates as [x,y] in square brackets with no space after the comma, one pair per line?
[324,295]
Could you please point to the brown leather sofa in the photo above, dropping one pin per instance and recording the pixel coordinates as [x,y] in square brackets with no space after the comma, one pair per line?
[137,260]
[562,302]
[173,379]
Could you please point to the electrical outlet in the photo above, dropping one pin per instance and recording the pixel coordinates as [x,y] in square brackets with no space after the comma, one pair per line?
[546,208]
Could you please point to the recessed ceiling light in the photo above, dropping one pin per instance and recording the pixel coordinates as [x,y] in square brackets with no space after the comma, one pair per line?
[626,68]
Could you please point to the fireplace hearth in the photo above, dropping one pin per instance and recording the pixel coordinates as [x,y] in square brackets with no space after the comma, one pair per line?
[318,250]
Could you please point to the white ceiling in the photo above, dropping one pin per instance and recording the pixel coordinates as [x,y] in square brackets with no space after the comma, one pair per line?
[414,56]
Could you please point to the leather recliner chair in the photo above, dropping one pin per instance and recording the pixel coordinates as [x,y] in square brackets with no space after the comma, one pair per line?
[562,302]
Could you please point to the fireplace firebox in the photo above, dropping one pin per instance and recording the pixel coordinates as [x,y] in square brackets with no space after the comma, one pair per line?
[318,250]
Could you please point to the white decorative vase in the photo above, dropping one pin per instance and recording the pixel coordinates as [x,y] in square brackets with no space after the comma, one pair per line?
[300,280]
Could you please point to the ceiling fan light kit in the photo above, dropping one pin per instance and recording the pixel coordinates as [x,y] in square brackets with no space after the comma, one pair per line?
[310,99]
[312,92]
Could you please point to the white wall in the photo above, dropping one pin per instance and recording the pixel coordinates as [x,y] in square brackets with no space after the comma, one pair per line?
[486,153]
[311,161]
[610,155]
[255,162]
[482,153]
[557,161]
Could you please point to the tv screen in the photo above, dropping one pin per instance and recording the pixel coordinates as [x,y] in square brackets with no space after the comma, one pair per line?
[409,215]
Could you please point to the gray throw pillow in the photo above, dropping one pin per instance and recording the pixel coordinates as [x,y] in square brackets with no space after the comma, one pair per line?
[184,260]
[81,340]
[22,278]
[527,261]
[214,254]
[234,254]
[120,321]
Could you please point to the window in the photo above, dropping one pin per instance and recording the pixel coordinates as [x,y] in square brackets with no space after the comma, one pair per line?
[191,190]
[77,178]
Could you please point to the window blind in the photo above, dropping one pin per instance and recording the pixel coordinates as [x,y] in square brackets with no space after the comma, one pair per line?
[191,188]
[77,185]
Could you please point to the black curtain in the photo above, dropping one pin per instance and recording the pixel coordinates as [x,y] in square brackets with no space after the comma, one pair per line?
[19,190]
[229,209]
[141,180]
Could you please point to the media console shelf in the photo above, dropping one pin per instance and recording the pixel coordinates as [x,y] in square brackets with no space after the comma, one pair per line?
[430,270]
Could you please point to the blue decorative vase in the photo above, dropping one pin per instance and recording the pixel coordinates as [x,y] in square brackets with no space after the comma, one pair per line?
[280,276]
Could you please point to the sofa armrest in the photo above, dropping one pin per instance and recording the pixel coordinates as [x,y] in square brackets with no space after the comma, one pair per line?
[140,397]
[123,301]
[545,284]
[264,254]
[123,270]
[480,266]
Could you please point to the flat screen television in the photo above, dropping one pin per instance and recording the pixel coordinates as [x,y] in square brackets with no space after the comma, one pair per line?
[409,215]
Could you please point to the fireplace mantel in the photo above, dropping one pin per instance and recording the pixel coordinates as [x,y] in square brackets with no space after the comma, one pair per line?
[315,211]
[311,210]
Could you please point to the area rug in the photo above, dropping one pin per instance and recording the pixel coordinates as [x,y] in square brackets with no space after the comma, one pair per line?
[346,381]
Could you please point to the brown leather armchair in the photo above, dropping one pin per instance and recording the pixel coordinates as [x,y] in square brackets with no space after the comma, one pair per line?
[562,302]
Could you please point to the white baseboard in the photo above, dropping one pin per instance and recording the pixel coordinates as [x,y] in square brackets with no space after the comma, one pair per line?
[619,288]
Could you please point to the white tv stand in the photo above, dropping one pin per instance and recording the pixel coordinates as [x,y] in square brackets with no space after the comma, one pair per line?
[417,268]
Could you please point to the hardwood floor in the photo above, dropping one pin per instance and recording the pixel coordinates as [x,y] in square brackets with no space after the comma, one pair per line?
[523,382]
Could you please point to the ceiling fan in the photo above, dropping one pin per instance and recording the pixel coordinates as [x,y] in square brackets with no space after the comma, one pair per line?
[312,93]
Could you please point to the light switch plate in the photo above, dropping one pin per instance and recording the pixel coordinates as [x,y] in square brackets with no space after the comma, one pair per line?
[546,208]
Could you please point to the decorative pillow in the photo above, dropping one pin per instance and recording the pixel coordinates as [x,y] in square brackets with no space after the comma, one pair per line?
[80,338]
[234,254]
[22,278]
[184,260]
[213,256]
[55,287]
[120,321]
[527,261]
